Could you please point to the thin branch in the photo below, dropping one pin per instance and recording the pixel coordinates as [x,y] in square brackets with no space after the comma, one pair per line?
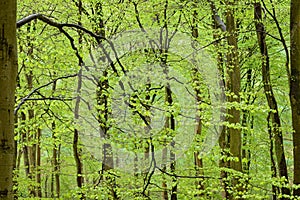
[49,21]
[60,26]
[183,176]
[38,88]
[282,39]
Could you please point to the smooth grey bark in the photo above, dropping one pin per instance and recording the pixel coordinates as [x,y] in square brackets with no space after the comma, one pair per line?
[8,72]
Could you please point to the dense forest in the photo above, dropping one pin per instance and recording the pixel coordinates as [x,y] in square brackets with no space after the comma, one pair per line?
[139,99]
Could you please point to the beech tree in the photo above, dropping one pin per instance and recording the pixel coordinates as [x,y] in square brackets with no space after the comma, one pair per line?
[8,73]
[295,88]
[88,126]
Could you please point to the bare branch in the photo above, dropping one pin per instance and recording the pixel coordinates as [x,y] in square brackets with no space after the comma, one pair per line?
[38,88]
[50,22]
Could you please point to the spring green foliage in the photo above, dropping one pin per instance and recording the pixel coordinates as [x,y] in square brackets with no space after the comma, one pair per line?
[46,54]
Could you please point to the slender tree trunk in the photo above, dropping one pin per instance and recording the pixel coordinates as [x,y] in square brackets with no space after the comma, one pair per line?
[218,23]
[76,147]
[8,74]
[38,164]
[164,168]
[55,155]
[31,136]
[295,88]
[30,133]
[76,152]
[104,113]
[198,162]
[55,160]
[246,120]
[170,126]
[25,147]
[46,186]
[275,124]
[171,119]
[275,189]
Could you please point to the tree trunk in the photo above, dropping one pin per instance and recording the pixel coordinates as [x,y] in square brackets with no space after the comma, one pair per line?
[275,125]
[198,162]
[55,160]
[233,86]
[295,88]
[164,168]
[104,112]
[76,147]
[224,137]
[8,73]
[171,123]
[38,164]
[31,134]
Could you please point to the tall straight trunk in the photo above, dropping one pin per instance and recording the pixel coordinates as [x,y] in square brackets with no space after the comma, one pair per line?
[38,164]
[56,154]
[218,23]
[171,119]
[275,189]
[246,153]
[25,147]
[164,168]
[170,126]
[295,88]
[8,74]
[233,86]
[198,162]
[103,116]
[31,136]
[148,122]
[104,112]
[76,147]
[31,133]
[55,182]
[275,125]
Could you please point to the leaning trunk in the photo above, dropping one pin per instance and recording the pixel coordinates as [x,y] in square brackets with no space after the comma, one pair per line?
[275,126]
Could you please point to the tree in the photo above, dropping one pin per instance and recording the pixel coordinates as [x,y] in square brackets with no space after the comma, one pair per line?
[8,71]
[63,34]
[233,86]
[274,122]
[295,88]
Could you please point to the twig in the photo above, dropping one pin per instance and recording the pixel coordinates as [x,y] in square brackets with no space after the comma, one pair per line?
[38,88]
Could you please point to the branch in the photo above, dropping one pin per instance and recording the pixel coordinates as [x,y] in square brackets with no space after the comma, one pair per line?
[282,39]
[50,98]
[50,22]
[183,176]
[219,22]
[38,88]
